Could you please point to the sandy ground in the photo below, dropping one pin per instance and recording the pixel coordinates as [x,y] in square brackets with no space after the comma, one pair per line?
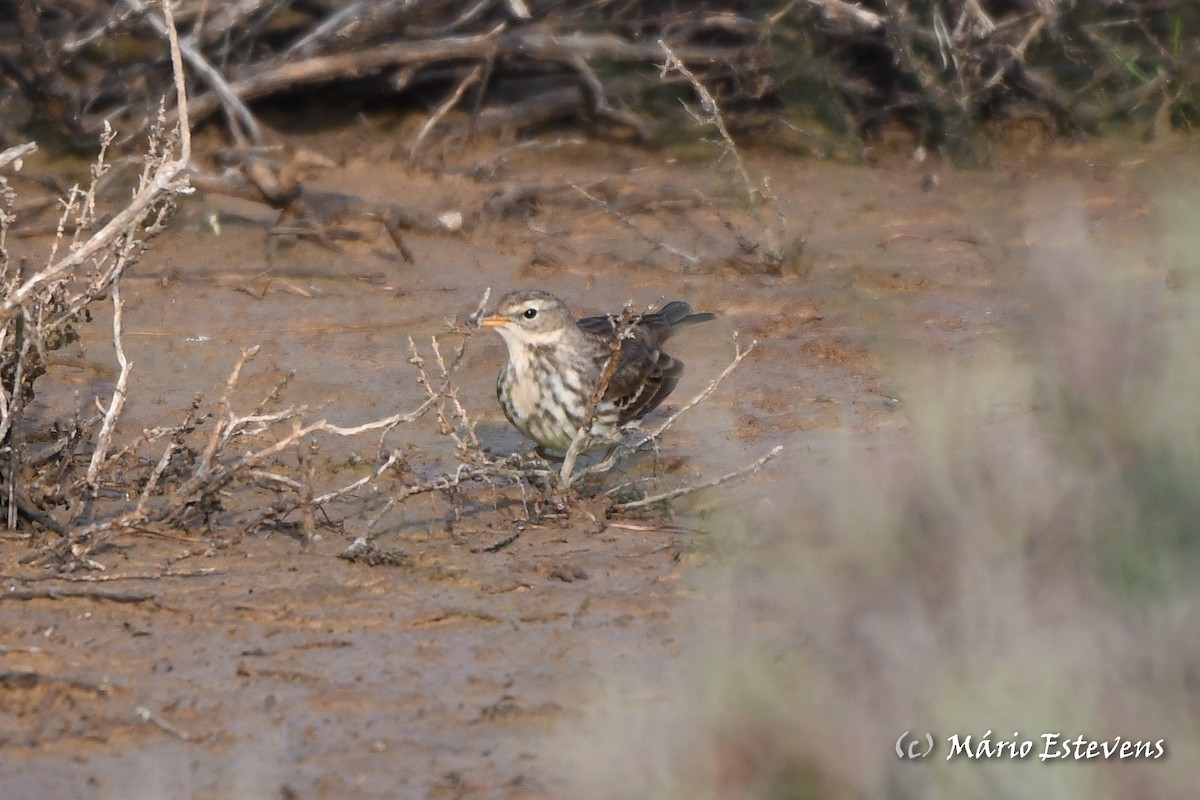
[262,666]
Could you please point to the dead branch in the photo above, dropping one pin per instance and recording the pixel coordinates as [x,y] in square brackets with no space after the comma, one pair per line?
[70,593]
[688,259]
[166,180]
[682,491]
[241,121]
[772,253]
[202,572]
[216,468]
[37,311]
[738,357]
[620,333]
[117,404]
[469,80]
[524,43]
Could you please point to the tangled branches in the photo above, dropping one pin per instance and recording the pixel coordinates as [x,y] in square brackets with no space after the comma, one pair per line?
[38,311]
[938,68]
[514,63]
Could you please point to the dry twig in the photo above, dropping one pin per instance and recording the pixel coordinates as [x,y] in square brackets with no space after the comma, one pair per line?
[37,311]
[620,333]
[682,491]
[772,252]
[689,259]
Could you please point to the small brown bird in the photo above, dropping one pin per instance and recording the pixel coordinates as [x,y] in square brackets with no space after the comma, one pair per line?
[555,363]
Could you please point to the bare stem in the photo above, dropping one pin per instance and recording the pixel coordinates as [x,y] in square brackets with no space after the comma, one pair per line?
[682,491]
[471,78]
[689,259]
[117,403]
[620,332]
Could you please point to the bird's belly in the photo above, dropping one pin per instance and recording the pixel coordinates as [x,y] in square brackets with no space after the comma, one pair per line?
[549,408]
[524,396]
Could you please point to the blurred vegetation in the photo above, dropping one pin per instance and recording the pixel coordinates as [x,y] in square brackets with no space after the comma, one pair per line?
[1025,567]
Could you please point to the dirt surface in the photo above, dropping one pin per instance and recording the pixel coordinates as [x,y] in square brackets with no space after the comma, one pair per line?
[231,665]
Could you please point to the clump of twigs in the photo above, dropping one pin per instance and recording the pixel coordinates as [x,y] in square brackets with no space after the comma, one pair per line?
[772,248]
[40,307]
[243,467]
[538,486]
[237,469]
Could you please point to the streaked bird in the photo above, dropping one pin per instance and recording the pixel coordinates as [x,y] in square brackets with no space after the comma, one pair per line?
[555,363]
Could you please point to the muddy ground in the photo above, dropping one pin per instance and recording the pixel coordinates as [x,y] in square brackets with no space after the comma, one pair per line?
[264,666]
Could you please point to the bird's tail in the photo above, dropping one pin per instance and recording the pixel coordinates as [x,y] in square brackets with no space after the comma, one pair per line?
[680,313]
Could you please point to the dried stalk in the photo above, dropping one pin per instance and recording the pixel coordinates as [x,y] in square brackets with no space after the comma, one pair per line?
[688,259]
[758,194]
[235,109]
[466,83]
[37,311]
[620,333]
[683,491]
[117,404]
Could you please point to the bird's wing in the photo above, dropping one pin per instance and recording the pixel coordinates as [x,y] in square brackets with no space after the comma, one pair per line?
[643,379]
[650,329]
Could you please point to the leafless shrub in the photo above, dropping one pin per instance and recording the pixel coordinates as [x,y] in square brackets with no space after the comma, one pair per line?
[38,310]
[771,248]
[512,64]
[539,487]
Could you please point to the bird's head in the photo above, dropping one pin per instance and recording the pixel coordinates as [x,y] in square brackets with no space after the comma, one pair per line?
[531,317]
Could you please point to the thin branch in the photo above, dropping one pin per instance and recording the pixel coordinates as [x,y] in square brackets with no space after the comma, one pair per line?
[583,434]
[739,356]
[466,83]
[527,42]
[682,491]
[70,593]
[689,259]
[167,178]
[181,96]
[758,194]
[234,107]
[621,450]
[117,404]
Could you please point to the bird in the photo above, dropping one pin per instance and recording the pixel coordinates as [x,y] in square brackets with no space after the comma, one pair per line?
[555,363]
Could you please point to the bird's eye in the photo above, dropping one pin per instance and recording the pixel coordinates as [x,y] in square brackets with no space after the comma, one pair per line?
[530,313]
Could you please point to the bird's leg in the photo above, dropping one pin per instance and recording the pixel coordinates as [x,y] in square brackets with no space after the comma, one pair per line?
[543,453]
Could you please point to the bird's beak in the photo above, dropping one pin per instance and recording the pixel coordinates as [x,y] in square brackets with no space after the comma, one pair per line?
[494,321]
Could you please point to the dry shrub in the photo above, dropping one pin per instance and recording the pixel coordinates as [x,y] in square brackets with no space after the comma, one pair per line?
[794,71]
